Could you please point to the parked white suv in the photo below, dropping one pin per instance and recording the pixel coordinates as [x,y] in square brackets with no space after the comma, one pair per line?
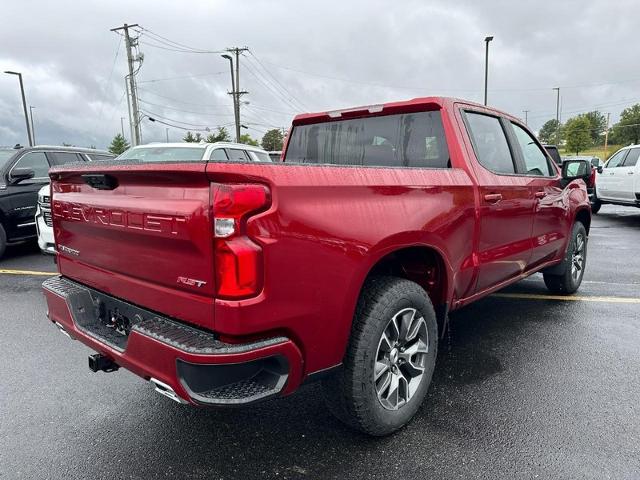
[618,182]
[44,225]
[179,152]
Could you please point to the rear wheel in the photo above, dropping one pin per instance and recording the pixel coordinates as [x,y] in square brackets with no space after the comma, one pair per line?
[574,264]
[390,359]
[3,240]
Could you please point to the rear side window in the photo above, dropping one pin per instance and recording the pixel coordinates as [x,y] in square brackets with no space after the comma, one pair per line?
[62,158]
[535,160]
[632,158]
[403,140]
[236,155]
[490,143]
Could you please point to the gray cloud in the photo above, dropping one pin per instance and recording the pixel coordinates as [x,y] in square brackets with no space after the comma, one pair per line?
[326,55]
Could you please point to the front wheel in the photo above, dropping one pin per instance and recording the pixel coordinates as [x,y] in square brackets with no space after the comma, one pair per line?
[595,206]
[3,240]
[390,359]
[574,263]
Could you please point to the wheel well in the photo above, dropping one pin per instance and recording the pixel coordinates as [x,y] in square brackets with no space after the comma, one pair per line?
[584,217]
[422,265]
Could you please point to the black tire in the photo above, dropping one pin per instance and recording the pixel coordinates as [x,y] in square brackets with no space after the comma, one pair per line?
[569,282]
[3,240]
[595,206]
[350,392]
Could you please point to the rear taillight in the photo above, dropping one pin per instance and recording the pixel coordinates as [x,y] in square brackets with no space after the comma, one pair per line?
[592,178]
[239,266]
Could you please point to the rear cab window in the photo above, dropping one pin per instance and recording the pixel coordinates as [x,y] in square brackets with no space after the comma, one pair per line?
[396,140]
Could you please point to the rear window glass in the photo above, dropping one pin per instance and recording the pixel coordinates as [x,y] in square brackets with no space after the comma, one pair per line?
[236,155]
[62,158]
[490,143]
[404,140]
[632,158]
[163,154]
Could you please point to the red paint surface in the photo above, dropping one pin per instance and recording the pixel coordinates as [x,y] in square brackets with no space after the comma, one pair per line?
[324,230]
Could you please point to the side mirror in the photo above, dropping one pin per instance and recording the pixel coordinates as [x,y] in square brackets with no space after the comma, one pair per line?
[20,174]
[600,169]
[574,169]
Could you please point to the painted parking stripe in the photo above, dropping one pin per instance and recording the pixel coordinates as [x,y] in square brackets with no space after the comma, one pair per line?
[27,272]
[571,298]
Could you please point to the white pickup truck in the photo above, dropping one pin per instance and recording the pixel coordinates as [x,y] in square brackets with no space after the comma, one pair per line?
[618,182]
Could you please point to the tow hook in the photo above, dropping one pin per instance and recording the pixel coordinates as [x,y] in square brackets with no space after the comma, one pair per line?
[101,363]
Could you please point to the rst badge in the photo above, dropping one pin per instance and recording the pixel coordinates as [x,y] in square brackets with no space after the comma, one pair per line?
[192,282]
[70,251]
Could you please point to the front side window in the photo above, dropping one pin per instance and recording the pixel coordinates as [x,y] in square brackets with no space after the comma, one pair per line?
[632,158]
[259,156]
[218,155]
[36,161]
[535,160]
[617,159]
[402,140]
[490,143]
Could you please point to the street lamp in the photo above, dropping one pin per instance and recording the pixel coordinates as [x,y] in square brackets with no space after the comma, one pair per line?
[236,109]
[24,105]
[486,66]
[33,129]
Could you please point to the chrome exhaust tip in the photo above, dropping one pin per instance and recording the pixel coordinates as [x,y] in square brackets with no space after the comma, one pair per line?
[63,331]
[164,389]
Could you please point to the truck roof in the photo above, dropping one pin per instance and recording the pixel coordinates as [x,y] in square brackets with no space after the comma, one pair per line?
[404,106]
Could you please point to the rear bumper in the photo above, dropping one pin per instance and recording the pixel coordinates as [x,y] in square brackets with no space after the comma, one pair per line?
[198,367]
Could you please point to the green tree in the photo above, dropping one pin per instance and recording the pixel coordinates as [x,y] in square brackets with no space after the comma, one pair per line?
[549,130]
[118,145]
[191,138]
[272,140]
[577,134]
[247,140]
[222,135]
[627,130]
[598,123]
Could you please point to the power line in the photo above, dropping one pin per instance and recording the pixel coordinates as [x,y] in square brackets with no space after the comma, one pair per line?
[183,111]
[277,94]
[278,81]
[152,80]
[166,41]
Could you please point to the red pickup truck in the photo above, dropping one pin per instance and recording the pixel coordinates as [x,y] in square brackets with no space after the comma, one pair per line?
[225,283]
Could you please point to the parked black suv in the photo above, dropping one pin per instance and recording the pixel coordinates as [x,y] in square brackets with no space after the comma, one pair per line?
[23,171]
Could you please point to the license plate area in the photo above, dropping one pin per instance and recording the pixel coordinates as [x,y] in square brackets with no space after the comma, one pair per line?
[105,318]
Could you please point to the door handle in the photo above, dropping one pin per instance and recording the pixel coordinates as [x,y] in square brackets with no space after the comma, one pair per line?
[629,173]
[540,194]
[493,197]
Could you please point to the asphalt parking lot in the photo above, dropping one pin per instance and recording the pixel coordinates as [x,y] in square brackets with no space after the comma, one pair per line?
[526,386]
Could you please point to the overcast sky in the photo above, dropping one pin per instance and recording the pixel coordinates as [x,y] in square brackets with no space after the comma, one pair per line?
[306,56]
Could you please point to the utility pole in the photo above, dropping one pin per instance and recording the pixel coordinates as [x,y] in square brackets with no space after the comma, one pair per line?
[167,131]
[606,138]
[235,82]
[122,126]
[526,117]
[557,89]
[33,130]
[129,43]
[486,66]
[126,89]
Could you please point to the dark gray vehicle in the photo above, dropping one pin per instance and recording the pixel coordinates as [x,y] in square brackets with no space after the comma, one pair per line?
[23,171]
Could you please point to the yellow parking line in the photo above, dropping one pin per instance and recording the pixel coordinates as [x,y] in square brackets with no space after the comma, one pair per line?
[27,272]
[572,298]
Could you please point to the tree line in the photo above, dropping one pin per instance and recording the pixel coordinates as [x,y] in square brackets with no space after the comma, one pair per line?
[589,129]
[271,141]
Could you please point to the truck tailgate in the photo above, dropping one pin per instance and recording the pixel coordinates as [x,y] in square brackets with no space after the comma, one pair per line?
[139,232]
